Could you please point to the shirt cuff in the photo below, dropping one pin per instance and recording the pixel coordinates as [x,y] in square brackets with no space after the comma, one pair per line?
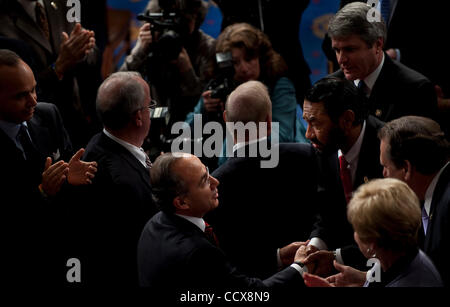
[339,256]
[398,54]
[319,243]
[300,269]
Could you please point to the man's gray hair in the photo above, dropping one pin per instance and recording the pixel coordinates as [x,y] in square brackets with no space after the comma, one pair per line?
[352,20]
[119,96]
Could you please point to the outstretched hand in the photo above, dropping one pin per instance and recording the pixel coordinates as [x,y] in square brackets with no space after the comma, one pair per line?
[81,172]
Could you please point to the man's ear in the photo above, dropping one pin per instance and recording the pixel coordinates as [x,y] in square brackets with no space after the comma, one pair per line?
[179,204]
[346,120]
[408,171]
[137,118]
[379,44]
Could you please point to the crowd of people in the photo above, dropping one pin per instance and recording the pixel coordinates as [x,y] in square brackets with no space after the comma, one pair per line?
[91,177]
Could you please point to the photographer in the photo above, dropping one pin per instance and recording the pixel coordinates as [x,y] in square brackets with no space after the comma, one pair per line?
[174,55]
[253,58]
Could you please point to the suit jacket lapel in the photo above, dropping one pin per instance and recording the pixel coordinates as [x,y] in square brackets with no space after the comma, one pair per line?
[437,195]
[27,25]
[54,23]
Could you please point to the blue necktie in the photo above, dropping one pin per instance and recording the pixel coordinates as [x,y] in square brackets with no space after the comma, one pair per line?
[385,8]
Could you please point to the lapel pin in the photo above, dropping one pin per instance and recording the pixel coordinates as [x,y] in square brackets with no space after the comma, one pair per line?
[53,4]
[378,112]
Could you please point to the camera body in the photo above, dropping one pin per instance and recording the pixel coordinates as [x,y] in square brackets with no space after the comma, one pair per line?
[166,29]
[224,84]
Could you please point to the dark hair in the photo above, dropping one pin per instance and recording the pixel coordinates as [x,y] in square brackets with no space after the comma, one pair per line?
[419,140]
[9,58]
[166,185]
[338,95]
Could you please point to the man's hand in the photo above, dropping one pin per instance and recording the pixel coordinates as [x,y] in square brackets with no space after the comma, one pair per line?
[323,263]
[312,280]
[392,53]
[212,104]
[81,172]
[145,37]
[347,276]
[54,176]
[287,253]
[73,49]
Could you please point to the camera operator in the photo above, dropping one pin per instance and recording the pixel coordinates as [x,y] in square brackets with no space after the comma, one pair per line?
[253,58]
[174,55]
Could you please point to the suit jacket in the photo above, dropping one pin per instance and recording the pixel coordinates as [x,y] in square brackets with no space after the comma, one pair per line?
[400,91]
[30,223]
[175,254]
[263,209]
[110,214]
[332,225]
[437,240]
[17,24]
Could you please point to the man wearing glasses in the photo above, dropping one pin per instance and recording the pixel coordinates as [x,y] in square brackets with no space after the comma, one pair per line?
[120,201]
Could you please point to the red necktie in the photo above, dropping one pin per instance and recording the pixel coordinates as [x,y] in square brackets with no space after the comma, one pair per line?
[210,235]
[41,19]
[346,178]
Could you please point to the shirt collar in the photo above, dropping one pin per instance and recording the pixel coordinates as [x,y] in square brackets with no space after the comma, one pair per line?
[138,152]
[197,221]
[372,77]
[430,190]
[353,153]
[11,129]
[243,144]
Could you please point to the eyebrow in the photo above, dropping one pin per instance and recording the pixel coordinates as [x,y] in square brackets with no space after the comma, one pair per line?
[204,178]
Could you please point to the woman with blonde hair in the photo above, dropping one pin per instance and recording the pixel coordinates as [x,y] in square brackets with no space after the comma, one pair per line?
[386,218]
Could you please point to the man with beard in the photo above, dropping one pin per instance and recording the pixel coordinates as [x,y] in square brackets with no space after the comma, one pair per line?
[348,152]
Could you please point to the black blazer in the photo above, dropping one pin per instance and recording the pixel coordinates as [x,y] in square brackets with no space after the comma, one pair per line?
[400,91]
[175,254]
[332,225]
[437,240]
[31,223]
[262,209]
[110,214]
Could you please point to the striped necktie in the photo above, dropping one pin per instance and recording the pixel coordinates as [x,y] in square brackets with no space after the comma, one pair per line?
[41,19]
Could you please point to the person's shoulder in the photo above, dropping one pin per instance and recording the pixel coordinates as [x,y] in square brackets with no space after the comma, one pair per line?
[401,72]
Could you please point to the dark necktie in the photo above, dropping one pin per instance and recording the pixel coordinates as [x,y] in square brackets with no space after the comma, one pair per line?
[41,19]
[25,141]
[345,178]
[210,235]
[362,88]
[148,163]
[385,9]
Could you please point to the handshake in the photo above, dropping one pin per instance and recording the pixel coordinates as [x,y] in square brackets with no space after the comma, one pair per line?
[322,268]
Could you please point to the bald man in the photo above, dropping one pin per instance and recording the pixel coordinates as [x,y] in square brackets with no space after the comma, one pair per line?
[262,209]
[120,196]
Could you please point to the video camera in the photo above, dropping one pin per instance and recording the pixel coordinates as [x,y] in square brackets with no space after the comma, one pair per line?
[168,43]
[224,84]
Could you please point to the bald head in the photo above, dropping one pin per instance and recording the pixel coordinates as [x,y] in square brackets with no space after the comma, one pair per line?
[249,102]
[119,96]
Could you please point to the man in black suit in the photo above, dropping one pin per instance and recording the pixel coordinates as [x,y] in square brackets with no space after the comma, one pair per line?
[392,89]
[348,154]
[32,136]
[262,209]
[414,150]
[120,201]
[177,249]
[64,53]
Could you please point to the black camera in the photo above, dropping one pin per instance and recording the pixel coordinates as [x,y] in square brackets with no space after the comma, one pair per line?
[168,42]
[224,84]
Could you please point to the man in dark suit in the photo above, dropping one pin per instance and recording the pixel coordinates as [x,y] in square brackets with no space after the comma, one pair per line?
[392,89]
[64,51]
[32,136]
[120,201]
[267,208]
[348,154]
[177,250]
[414,150]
